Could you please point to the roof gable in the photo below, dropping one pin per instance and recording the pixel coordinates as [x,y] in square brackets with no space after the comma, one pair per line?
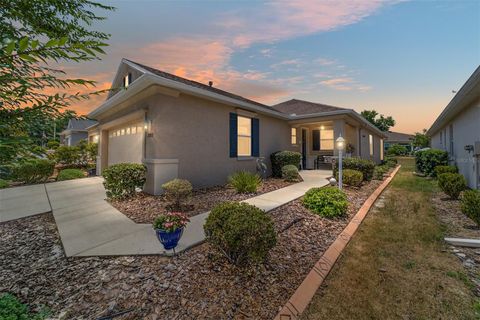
[300,107]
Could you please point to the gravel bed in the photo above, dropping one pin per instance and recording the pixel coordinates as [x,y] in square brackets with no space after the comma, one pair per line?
[197,284]
[144,208]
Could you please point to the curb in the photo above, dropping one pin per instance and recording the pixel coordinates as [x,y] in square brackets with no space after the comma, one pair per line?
[300,300]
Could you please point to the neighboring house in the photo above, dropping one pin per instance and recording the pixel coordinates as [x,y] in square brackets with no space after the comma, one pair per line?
[457,130]
[186,129]
[402,139]
[77,130]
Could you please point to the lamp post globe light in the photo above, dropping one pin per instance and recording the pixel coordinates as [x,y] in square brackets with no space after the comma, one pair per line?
[340,146]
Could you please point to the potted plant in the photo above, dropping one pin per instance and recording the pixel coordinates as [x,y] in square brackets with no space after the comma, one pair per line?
[350,149]
[169,228]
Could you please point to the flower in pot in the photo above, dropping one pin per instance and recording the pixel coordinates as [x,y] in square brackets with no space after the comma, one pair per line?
[169,228]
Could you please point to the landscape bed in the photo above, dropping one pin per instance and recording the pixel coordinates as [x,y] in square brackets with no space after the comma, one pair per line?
[196,284]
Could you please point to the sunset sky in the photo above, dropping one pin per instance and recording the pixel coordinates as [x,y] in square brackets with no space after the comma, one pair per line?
[402,58]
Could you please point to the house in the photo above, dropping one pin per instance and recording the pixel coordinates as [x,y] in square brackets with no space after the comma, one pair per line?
[402,139]
[186,129]
[77,130]
[457,130]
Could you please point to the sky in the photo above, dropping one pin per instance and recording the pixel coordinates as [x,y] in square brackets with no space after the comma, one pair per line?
[401,58]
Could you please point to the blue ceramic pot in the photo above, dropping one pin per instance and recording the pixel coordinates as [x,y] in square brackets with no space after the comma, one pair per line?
[169,239]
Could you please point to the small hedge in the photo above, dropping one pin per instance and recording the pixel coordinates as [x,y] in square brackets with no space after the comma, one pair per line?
[391,162]
[366,167]
[445,169]
[380,171]
[122,179]
[397,150]
[452,184]
[12,309]
[33,170]
[352,178]
[280,159]
[470,205]
[3,183]
[241,232]
[328,202]
[70,174]
[427,160]
[290,173]
[177,191]
[244,181]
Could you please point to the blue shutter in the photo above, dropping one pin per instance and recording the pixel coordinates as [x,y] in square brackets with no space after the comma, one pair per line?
[129,79]
[255,137]
[316,140]
[233,134]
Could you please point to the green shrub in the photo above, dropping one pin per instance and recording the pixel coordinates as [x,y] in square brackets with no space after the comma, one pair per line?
[53,144]
[69,174]
[67,155]
[177,191]
[242,232]
[290,173]
[352,177]
[391,162]
[452,184]
[12,309]
[471,205]
[33,170]
[366,167]
[280,159]
[3,183]
[122,179]
[397,150]
[328,201]
[380,171]
[244,181]
[445,169]
[427,160]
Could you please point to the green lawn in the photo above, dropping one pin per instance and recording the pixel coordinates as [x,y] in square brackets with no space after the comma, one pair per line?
[396,266]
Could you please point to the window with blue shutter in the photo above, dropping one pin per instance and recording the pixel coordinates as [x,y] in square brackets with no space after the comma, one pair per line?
[233,135]
[255,137]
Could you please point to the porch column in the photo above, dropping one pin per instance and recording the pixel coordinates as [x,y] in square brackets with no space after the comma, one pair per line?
[357,142]
[338,129]
[102,158]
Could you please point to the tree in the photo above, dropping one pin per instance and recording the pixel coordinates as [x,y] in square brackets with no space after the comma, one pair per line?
[378,120]
[421,140]
[35,35]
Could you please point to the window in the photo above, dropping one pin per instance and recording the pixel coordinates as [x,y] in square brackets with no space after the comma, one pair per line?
[381,149]
[322,139]
[370,142]
[450,129]
[441,138]
[127,80]
[294,135]
[244,137]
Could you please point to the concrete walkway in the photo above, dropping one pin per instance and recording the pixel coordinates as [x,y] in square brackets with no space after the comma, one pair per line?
[90,226]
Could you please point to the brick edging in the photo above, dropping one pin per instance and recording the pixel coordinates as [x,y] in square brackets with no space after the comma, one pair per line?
[300,300]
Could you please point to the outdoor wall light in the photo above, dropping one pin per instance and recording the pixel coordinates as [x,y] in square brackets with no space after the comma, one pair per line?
[148,128]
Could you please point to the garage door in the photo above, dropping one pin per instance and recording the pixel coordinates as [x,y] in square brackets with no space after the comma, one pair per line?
[125,144]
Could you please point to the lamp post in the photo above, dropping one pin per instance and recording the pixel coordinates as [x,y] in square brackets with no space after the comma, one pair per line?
[340,146]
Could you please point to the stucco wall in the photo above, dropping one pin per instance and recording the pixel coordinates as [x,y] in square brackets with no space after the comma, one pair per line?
[466,130]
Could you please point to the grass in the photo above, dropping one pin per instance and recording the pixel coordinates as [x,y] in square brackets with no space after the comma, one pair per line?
[396,266]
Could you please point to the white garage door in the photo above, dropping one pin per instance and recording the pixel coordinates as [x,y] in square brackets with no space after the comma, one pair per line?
[125,144]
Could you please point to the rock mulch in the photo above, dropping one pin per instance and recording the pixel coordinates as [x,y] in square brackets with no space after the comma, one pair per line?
[144,208]
[457,225]
[197,284]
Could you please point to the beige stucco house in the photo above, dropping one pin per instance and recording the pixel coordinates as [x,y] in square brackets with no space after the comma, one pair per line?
[457,130]
[186,129]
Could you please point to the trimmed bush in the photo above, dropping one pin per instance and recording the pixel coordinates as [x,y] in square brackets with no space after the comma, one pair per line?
[380,171]
[290,173]
[427,160]
[445,169]
[366,167]
[12,309]
[3,183]
[177,191]
[69,174]
[244,181]
[53,144]
[33,170]
[241,232]
[280,159]
[122,179]
[352,178]
[452,184]
[391,162]
[67,155]
[327,202]
[471,205]
[397,150]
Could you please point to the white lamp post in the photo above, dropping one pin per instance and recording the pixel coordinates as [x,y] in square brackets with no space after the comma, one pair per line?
[340,146]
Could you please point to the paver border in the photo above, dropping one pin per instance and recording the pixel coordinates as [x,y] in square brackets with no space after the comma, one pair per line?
[301,298]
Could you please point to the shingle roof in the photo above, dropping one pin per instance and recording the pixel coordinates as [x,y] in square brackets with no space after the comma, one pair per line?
[397,136]
[80,124]
[196,84]
[300,107]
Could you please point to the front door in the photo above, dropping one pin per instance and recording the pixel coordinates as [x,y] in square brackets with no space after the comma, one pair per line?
[304,149]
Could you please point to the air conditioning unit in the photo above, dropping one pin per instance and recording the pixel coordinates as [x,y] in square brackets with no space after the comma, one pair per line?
[476,149]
